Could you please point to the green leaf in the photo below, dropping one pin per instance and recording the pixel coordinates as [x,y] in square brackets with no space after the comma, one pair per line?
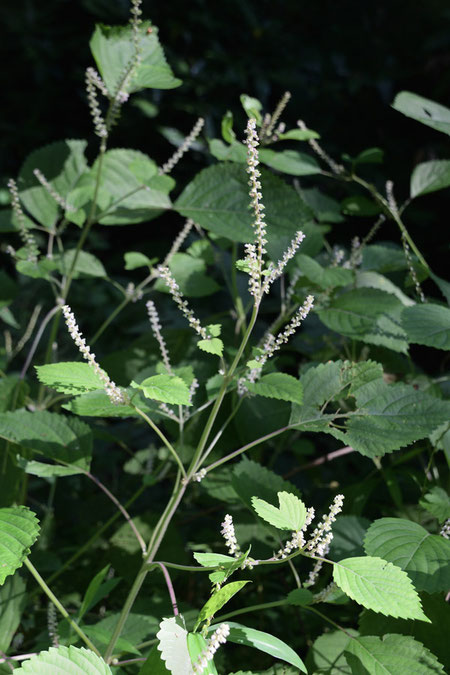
[189,273]
[214,329]
[13,391]
[62,164]
[423,110]
[87,265]
[69,377]
[428,324]
[228,134]
[212,559]
[236,152]
[328,650]
[301,597]
[96,591]
[196,645]
[166,388]
[368,279]
[112,48]
[250,479]
[217,199]
[264,642]
[19,529]
[252,107]
[369,156]
[277,385]
[68,660]
[348,537]
[359,206]
[369,315]
[378,585]
[395,654]
[134,260]
[329,277]
[212,346]
[430,176]
[65,440]
[218,600]
[13,600]
[131,200]
[154,664]
[290,515]
[444,286]
[326,209]
[425,557]
[298,135]
[290,161]
[97,404]
[437,502]
[172,638]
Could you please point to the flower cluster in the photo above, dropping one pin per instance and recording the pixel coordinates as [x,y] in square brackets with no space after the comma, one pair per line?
[229,535]
[445,531]
[92,82]
[165,273]
[275,271]
[156,329]
[268,132]
[115,395]
[133,294]
[255,253]
[219,637]
[298,538]
[322,535]
[320,152]
[52,192]
[199,476]
[179,239]
[25,234]
[184,147]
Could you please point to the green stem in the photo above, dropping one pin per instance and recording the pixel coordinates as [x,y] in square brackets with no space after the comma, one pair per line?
[60,607]
[163,438]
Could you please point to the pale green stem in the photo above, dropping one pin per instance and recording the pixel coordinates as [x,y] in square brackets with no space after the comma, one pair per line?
[163,438]
[60,607]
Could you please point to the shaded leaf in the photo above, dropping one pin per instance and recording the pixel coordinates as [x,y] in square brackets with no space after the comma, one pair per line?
[218,600]
[423,110]
[19,529]
[166,388]
[427,324]
[69,377]
[277,385]
[430,176]
[69,660]
[396,654]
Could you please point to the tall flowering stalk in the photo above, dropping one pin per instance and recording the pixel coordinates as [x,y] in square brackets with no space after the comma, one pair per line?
[25,234]
[255,252]
[166,274]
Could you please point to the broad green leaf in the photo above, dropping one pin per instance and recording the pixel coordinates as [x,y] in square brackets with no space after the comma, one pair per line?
[134,260]
[359,206]
[212,346]
[218,600]
[62,163]
[87,265]
[36,270]
[213,559]
[19,529]
[425,557]
[235,152]
[385,259]
[13,391]
[444,286]
[327,652]
[437,502]
[269,644]
[329,277]
[217,199]
[369,315]
[369,279]
[348,537]
[396,654]
[290,161]
[196,645]
[429,634]
[430,176]
[137,628]
[369,156]
[13,599]
[172,638]
[154,664]
[290,515]
[252,107]
[102,638]
[65,440]
[97,404]
[378,585]
[112,48]
[326,209]
[96,591]
[190,275]
[298,135]
[68,660]
[428,324]
[251,479]
[166,388]
[277,385]
[69,377]
[301,597]
[131,200]
[423,110]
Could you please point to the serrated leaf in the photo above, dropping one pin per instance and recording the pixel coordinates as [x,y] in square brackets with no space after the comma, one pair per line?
[423,110]
[264,642]
[218,600]
[87,265]
[13,599]
[250,479]
[425,557]
[97,404]
[369,315]
[396,654]
[277,385]
[112,48]
[378,585]
[290,515]
[67,441]
[69,377]
[196,645]
[172,638]
[69,660]
[427,324]
[437,502]
[212,346]
[368,279]
[328,652]
[217,199]
[19,529]
[301,597]
[429,177]
[166,388]
[348,537]
[62,163]
[154,665]
[329,277]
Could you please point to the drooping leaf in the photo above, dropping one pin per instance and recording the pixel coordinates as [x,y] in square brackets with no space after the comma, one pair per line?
[269,644]
[166,388]
[69,377]
[19,529]
[277,385]
[437,502]
[69,660]
[112,48]
[423,110]
[172,638]
[13,600]
[378,585]
[290,515]
[427,324]
[430,176]
[425,557]
[218,600]
[217,199]
[396,654]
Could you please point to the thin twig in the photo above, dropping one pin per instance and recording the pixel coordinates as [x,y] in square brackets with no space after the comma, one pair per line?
[37,339]
[169,584]
[321,460]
